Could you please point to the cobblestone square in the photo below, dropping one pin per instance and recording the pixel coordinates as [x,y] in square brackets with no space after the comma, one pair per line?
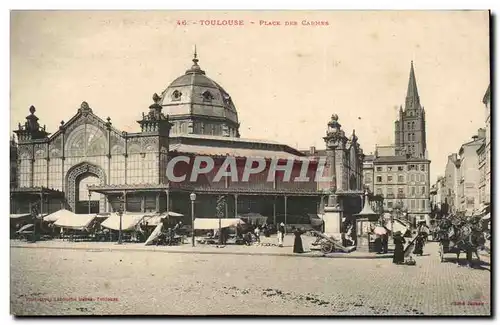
[94,282]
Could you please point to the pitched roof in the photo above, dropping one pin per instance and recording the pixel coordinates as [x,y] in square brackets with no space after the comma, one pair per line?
[233,152]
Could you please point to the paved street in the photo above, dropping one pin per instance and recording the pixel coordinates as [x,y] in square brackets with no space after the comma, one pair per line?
[54,282]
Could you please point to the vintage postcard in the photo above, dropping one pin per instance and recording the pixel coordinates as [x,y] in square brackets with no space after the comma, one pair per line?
[250,163]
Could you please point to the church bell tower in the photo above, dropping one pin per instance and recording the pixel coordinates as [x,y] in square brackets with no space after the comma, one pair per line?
[410,135]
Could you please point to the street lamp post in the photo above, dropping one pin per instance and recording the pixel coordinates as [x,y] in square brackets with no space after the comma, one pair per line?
[34,214]
[392,221]
[90,195]
[120,214]
[192,196]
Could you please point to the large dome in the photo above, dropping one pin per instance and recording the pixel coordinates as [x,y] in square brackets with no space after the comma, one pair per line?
[198,105]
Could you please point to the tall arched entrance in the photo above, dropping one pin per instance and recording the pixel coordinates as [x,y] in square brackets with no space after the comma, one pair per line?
[78,178]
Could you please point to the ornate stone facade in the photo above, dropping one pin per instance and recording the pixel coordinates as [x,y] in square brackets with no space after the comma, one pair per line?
[346,179]
[128,170]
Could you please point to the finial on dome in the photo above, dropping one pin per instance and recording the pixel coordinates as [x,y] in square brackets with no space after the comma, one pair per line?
[32,109]
[195,68]
[195,57]
[335,117]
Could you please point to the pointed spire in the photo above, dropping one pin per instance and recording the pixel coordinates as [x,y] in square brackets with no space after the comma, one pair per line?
[412,98]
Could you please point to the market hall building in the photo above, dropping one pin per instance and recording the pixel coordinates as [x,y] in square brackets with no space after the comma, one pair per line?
[89,166]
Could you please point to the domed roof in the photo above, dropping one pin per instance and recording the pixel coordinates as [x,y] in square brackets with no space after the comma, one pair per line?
[197,95]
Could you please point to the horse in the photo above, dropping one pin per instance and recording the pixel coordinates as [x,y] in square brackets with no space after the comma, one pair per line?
[464,237]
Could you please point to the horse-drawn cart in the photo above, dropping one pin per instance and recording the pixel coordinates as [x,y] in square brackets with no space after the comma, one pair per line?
[445,248]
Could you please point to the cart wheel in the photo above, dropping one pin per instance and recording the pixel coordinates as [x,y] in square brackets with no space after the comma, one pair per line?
[326,247]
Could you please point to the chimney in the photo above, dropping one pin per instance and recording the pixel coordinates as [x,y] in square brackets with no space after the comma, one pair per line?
[312,151]
[481,133]
[474,137]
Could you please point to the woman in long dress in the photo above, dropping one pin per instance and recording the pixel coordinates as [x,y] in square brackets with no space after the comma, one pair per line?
[297,244]
[419,245]
[399,242]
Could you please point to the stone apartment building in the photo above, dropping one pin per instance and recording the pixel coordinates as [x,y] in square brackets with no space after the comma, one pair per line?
[438,201]
[451,182]
[469,175]
[368,172]
[484,156]
[403,182]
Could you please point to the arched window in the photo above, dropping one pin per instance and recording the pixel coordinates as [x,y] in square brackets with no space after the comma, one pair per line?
[176,95]
[86,140]
[412,125]
[207,96]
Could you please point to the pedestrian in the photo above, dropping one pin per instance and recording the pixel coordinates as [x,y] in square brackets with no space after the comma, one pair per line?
[168,237]
[385,243]
[378,244]
[399,242]
[297,244]
[257,234]
[419,244]
[247,238]
[281,234]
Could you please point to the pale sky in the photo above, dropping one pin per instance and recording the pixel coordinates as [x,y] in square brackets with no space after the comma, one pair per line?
[286,81]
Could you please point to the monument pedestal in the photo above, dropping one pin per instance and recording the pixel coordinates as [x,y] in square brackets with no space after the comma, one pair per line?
[333,222]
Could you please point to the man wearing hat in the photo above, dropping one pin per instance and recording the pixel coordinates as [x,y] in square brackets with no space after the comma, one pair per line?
[281,234]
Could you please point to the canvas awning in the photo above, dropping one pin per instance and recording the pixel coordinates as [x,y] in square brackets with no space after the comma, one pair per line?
[486,217]
[129,221]
[253,218]
[77,221]
[156,219]
[19,215]
[175,214]
[25,227]
[154,235]
[58,214]
[213,223]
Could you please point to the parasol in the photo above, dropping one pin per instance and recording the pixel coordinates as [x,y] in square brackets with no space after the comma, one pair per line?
[379,230]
